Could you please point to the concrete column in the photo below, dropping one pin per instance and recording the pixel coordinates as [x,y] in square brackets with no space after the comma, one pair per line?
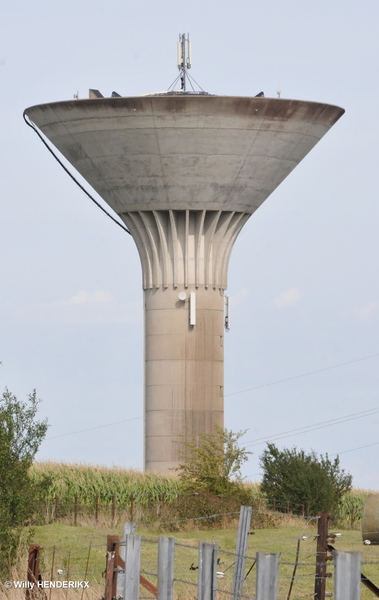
[184,370]
[184,257]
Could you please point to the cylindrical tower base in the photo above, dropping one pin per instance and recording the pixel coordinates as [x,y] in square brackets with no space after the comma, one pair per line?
[184,370]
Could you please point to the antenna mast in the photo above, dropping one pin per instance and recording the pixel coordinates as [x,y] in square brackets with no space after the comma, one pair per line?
[184,58]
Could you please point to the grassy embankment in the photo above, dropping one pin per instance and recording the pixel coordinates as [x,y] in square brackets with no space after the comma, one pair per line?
[70,544]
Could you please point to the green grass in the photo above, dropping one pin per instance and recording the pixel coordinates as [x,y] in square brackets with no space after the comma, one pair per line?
[74,541]
[67,546]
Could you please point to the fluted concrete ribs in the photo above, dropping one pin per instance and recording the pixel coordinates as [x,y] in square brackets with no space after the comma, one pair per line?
[185,247]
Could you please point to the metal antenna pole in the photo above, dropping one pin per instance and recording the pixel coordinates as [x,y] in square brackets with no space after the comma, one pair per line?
[184,59]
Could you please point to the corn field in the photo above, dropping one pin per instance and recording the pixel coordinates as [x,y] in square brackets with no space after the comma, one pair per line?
[104,485]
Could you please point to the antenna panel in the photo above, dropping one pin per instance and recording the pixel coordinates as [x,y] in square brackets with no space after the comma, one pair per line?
[180,55]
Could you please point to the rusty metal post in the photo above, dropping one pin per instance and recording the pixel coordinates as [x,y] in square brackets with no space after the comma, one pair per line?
[113,545]
[321,552]
[109,575]
[302,510]
[113,508]
[52,569]
[75,509]
[96,509]
[86,571]
[68,570]
[131,507]
[33,567]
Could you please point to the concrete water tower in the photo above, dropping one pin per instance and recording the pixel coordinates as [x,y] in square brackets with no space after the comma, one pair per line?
[184,171]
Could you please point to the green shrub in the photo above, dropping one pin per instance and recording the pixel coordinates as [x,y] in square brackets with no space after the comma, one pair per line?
[303,480]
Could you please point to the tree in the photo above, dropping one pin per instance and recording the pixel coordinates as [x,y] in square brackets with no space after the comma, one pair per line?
[212,463]
[308,480]
[21,434]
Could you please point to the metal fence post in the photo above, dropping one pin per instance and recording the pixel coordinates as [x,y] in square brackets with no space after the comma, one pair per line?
[33,568]
[207,571]
[127,528]
[242,540]
[321,554]
[166,548]
[267,576]
[347,575]
[132,566]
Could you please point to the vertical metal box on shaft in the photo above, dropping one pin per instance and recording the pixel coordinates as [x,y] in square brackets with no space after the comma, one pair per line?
[184,172]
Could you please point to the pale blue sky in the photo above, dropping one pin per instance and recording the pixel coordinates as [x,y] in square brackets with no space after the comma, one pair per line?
[303,274]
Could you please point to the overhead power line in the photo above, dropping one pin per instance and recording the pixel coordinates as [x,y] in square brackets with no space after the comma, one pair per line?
[257,387]
[92,428]
[292,431]
[354,449]
[314,427]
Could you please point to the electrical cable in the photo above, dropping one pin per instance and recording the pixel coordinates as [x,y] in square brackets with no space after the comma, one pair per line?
[315,426]
[350,362]
[353,449]
[92,428]
[30,124]
[303,429]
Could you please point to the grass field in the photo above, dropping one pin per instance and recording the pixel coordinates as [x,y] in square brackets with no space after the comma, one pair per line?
[78,552]
[81,551]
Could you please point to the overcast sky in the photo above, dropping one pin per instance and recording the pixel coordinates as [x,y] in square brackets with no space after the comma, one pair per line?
[303,276]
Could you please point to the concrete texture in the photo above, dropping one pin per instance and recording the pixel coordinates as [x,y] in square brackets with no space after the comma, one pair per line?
[184,173]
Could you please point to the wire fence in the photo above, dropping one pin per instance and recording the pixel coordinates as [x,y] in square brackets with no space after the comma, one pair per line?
[296,576]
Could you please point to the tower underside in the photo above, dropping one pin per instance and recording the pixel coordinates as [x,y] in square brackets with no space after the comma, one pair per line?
[184,172]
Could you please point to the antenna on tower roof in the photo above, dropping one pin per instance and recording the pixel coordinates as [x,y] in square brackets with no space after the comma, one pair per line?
[184,58]
[184,62]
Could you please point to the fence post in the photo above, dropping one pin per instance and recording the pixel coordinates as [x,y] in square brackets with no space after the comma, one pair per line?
[207,571]
[242,540]
[96,509]
[126,530]
[131,507]
[75,509]
[113,546]
[321,552]
[109,572]
[56,503]
[347,575]
[113,508]
[166,548]
[267,576]
[132,566]
[33,567]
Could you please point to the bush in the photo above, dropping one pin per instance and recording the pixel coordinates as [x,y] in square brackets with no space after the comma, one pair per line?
[303,480]
[212,462]
[20,437]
